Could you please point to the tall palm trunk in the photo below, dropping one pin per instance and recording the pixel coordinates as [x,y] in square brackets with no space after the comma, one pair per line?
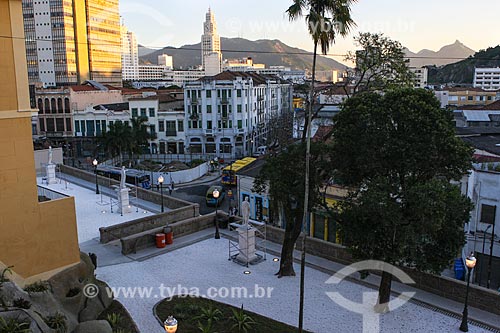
[306,192]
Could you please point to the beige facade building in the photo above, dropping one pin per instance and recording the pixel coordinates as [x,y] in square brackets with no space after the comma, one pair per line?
[39,239]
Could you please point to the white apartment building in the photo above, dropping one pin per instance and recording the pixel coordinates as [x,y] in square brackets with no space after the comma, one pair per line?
[130,55]
[166,61]
[151,78]
[228,115]
[211,55]
[165,118]
[487,78]
[151,73]
[421,76]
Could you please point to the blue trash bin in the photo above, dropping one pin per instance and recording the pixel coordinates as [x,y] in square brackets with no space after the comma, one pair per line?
[459,269]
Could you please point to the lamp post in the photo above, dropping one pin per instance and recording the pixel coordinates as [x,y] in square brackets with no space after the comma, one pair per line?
[95,163]
[170,324]
[216,194]
[160,181]
[470,262]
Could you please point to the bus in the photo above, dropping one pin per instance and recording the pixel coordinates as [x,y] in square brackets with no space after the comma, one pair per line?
[134,177]
[229,172]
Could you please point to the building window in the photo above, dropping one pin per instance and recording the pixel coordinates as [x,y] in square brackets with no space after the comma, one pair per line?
[134,112]
[209,108]
[42,125]
[180,125]
[143,112]
[152,112]
[209,124]
[170,127]
[68,124]
[239,108]
[488,214]
[238,93]
[209,93]
[161,126]
[240,124]
[77,126]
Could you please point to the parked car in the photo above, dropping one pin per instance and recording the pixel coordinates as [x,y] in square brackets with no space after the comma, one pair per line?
[209,197]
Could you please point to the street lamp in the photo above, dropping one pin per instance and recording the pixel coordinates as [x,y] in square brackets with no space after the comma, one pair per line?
[95,171]
[470,262]
[170,324]
[160,181]
[216,194]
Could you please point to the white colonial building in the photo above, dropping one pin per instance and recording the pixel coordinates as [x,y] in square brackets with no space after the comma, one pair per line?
[229,114]
[165,118]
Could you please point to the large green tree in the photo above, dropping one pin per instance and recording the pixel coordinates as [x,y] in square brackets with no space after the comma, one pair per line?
[380,64]
[399,151]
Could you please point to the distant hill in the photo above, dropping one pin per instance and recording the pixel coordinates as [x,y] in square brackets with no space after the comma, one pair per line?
[446,55]
[264,51]
[463,71]
[144,51]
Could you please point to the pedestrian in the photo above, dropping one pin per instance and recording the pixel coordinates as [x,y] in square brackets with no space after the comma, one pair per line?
[235,211]
[170,190]
[158,187]
[172,185]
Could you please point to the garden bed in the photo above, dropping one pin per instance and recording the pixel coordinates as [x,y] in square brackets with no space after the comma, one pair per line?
[189,312]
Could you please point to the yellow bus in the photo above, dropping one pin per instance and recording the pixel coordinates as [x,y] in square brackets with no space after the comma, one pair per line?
[229,172]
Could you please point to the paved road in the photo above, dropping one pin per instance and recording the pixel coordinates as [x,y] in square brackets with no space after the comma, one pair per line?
[196,193]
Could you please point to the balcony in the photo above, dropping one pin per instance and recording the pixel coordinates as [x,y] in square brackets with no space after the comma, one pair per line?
[209,132]
[170,133]
[194,116]
[193,101]
[239,131]
[224,100]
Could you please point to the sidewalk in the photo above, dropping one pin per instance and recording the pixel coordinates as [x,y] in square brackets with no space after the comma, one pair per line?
[479,318]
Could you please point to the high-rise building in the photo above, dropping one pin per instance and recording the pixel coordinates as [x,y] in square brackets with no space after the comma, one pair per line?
[130,55]
[69,42]
[210,46]
[166,61]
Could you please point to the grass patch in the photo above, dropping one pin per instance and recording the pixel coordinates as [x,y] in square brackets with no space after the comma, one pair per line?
[190,312]
[121,321]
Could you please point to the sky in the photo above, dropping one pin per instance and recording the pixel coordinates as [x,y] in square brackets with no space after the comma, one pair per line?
[421,24]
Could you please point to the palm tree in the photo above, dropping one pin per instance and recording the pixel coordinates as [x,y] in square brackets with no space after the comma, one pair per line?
[117,138]
[325,19]
[140,136]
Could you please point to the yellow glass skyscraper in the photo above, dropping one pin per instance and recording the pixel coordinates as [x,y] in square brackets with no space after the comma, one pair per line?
[69,42]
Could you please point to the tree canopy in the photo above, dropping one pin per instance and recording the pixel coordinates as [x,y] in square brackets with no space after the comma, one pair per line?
[400,153]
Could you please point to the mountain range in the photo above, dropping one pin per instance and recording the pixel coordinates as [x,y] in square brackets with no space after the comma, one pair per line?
[446,55]
[462,72]
[263,51]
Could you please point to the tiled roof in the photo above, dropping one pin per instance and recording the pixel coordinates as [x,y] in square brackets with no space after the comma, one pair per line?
[231,76]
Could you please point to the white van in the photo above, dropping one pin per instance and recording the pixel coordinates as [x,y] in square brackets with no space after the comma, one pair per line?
[261,151]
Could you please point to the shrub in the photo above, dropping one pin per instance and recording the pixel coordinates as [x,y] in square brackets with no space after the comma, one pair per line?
[114,319]
[12,325]
[243,322]
[37,287]
[21,303]
[57,322]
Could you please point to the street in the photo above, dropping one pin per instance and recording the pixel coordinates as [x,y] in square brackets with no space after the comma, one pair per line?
[196,194]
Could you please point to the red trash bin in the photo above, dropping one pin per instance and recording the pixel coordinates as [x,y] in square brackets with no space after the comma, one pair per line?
[170,237]
[160,241]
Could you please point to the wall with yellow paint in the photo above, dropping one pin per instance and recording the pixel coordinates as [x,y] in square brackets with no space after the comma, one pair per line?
[38,239]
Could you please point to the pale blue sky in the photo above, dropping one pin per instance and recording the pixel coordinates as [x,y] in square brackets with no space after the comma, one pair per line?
[416,24]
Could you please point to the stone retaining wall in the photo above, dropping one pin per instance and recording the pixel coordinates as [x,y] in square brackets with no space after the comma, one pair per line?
[130,228]
[147,195]
[479,297]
